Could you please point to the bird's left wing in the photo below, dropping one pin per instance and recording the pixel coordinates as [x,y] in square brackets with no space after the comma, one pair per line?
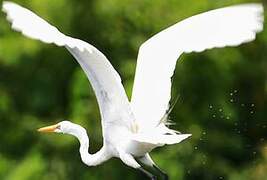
[106,82]
[157,57]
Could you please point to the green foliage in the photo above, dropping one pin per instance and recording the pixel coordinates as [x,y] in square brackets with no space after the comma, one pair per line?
[223,94]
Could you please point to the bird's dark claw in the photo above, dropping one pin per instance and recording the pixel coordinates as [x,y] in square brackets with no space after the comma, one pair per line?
[162,173]
[165,176]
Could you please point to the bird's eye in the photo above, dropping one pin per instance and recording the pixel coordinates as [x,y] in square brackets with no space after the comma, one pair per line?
[167,134]
[58,129]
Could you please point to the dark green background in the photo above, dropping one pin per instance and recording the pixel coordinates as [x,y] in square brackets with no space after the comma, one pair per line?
[223,94]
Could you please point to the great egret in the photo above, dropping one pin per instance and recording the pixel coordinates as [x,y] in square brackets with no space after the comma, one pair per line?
[132,129]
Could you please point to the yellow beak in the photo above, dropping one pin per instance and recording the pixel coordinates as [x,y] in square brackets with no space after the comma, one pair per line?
[48,129]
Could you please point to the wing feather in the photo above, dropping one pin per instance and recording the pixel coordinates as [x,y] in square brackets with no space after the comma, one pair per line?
[113,102]
[157,56]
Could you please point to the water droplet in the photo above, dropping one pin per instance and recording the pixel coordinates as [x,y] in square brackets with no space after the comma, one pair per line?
[220,177]
[221,117]
[227,117]
[231,100]
[242,105]
[203,162]
[210,106]
[252,105]
[231,94]
[220,110]
[204,133]
[235,91]
[251,112]
[188,172]
[196,148]
[254,152]
[213,115]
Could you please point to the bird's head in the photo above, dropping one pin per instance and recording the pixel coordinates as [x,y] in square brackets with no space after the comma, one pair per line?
[65,127]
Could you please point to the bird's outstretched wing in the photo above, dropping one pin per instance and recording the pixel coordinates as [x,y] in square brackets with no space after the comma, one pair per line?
[157,57]
[113,102]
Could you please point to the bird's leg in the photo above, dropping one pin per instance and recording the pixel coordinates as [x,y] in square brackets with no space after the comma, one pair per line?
[130,161]
[146,160]
[147,173]
[165,175]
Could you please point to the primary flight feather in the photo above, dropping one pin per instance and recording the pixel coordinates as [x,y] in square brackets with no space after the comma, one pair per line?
[132,129]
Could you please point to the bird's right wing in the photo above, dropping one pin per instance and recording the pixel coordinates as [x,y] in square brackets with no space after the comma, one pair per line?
[106,82]
[157,56]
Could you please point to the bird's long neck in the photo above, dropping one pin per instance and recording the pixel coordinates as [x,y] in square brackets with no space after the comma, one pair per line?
[89,159]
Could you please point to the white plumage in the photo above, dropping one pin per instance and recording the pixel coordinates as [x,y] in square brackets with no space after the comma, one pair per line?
[104,79]
[157,56]
[132,129]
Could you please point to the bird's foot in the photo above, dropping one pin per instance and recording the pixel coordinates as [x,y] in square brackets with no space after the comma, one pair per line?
[162,173]
[165,176]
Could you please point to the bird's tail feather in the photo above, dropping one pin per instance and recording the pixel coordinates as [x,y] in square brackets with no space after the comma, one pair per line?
[160,140]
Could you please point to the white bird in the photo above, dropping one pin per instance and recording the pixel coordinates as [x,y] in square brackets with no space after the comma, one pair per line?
[131,129]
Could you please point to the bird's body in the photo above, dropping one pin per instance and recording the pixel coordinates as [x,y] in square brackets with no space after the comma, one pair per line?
[131,129]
